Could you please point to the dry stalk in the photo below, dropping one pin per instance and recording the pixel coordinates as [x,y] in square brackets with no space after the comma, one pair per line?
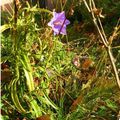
[97,22]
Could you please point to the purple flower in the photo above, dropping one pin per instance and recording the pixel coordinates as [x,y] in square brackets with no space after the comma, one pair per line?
[59,23]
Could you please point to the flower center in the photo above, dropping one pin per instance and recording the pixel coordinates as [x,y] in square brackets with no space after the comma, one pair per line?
[58,23]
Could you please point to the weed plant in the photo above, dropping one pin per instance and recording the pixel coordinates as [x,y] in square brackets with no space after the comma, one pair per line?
[47,77]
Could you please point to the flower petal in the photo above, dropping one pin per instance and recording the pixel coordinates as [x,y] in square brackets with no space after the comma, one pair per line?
[67,22]
[63,31]
[58,23]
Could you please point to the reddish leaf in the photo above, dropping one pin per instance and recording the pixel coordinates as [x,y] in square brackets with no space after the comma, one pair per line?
[4,65]
[36,81]
[87,63]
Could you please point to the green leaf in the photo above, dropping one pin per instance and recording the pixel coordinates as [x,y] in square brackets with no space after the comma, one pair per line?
[102,111]
[15,97]
[34,105]
[28,72]
[4,27]
[50,102]
[111,104]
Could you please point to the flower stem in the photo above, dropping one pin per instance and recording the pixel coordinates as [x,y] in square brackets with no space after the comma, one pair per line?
[62,26]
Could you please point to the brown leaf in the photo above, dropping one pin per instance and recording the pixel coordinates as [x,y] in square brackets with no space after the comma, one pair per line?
[98,12]
[4,66]
[76,102]
[87,63]
[35,47]
[36,81]
[6,75]
[44,117]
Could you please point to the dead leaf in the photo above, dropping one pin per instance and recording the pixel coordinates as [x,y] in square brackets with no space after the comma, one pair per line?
[4,66]
[44,117]
[76,102]
[87,63]
[98,12]
[36,81]
[6,75]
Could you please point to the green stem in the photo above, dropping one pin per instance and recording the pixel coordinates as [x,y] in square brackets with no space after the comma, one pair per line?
[28,72]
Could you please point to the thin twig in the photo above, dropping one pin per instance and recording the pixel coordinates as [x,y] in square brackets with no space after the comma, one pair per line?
[103,32]
[113,65]
[86,5]
[95,23]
